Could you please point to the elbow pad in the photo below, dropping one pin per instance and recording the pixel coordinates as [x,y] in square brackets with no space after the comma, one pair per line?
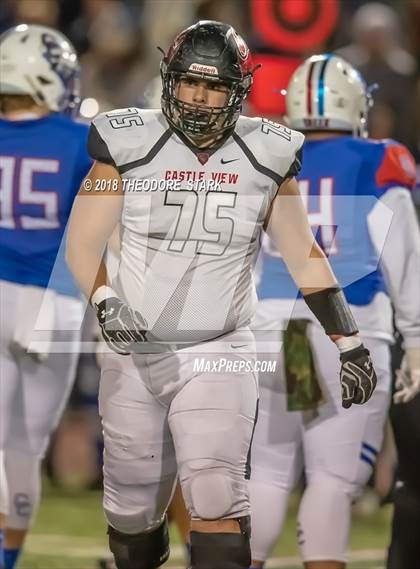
[333,312]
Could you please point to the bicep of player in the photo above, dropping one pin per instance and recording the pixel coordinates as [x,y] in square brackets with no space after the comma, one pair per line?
[395,234]
[94,216]
[289,229]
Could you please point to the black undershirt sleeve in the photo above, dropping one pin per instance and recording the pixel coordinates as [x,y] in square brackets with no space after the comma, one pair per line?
[98,148]
[296,166]
[332,311]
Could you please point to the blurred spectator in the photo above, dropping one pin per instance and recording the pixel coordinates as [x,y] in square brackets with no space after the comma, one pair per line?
[45,12]
[78,16]
[376,35]
[153,93]
[114,70]
[162,21]
[230,11]
[377,53]
[78,29]
[6,16]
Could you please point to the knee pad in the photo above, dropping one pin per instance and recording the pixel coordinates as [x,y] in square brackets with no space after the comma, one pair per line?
[140,551]
[222,550]
[140,521]
[325,518]
[212,494]
[133,510]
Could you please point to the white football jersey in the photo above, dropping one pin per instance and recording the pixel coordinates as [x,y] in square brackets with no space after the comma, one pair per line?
[191,221]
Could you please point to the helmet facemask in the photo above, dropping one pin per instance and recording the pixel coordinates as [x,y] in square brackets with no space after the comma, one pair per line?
[361,129]
[201,121]
[70,102]
[66,67]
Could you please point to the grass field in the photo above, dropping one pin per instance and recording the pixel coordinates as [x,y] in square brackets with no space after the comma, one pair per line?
[70,534]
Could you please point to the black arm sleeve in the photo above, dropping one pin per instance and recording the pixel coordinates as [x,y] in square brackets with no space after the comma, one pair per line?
[296,166]
[97,147]
[333,312]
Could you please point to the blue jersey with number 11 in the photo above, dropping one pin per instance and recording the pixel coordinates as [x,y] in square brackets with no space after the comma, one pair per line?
[341,180]
[42,163]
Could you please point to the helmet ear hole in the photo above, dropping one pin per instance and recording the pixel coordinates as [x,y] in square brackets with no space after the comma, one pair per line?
[43,80]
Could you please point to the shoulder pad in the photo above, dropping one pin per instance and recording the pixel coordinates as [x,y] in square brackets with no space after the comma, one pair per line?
[124,135]
[397,166]
[272,145]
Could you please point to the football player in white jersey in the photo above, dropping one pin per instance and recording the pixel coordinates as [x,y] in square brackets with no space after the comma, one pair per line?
[43,159]
[357,193]
[179,396]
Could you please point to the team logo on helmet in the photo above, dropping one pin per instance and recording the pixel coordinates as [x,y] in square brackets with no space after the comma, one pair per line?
[240,44]
[53,54]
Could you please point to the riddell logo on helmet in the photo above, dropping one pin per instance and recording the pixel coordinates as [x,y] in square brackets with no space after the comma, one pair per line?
[199,68]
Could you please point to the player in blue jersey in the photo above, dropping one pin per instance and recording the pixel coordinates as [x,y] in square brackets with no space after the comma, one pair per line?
[42,162]
[357,193]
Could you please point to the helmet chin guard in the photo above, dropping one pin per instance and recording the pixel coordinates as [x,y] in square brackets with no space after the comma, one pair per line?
[215,52]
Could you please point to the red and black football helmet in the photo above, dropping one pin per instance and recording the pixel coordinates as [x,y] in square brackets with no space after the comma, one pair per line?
[213,51]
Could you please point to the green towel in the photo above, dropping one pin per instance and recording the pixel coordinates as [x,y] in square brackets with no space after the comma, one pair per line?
[302,381]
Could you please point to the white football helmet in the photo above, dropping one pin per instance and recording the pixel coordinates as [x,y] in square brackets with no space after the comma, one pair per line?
[40,62]
[327,93]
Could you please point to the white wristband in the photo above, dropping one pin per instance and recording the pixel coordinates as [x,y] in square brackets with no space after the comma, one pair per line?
[347,343]
[101,293]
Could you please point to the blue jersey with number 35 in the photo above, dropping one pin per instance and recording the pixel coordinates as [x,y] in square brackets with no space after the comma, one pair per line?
[42,163]
[340,182]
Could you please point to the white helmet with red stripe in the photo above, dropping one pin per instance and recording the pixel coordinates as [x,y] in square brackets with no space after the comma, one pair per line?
[327,93]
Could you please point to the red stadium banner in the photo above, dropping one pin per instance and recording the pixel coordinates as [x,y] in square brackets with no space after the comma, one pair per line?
[294,26]
[270,80]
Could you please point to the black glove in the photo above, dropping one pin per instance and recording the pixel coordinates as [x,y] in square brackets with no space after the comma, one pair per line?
[122,327]
[357,376]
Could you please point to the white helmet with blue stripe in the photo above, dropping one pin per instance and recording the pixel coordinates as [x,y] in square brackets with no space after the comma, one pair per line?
[40,62]
[327,93]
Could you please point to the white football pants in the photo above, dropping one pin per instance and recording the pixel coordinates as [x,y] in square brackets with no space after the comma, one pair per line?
[32,398]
